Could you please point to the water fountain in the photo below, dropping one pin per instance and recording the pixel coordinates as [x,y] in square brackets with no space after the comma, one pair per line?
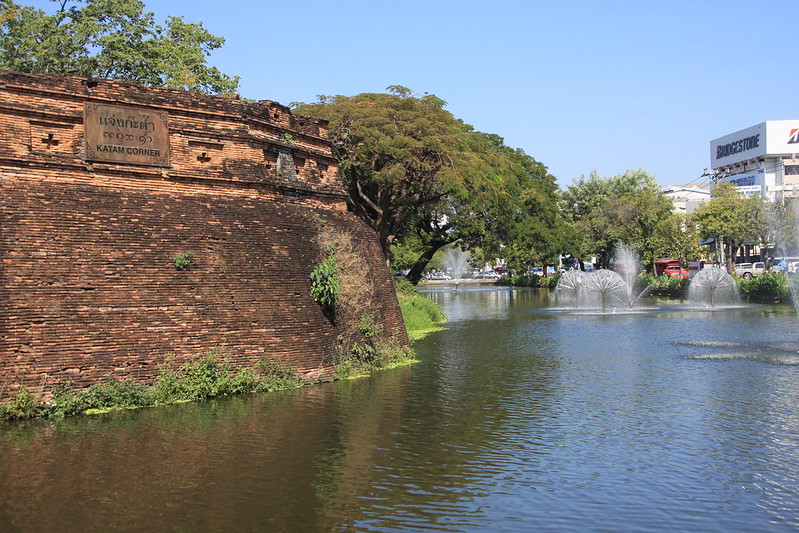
[793,287]
[626,262]
[605,289]
[712,286]
[456,260]
[598,289]
[568,287]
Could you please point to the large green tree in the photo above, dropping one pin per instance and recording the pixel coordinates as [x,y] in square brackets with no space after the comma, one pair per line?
[628,208]
[732,220]
[679,239]
[410,166]
[780,227]
[537,231]
[110,39]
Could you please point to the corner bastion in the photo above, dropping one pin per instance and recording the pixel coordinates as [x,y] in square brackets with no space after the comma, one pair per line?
[104,183]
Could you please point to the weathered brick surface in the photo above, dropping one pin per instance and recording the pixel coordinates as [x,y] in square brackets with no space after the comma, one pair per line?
[88,290]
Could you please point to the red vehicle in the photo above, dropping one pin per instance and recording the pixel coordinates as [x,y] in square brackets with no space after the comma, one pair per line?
[662,264]
[676,271]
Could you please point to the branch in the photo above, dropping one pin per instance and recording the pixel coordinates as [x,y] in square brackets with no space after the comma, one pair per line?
[368,201]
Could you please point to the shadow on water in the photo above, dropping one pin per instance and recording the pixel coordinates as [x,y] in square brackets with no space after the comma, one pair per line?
[277,462]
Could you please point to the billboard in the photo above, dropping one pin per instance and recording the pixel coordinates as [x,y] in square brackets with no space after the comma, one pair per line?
[738,146]
[770,138]
[782,137]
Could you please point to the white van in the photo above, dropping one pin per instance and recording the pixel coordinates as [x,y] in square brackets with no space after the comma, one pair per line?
[694,267]
[750,270]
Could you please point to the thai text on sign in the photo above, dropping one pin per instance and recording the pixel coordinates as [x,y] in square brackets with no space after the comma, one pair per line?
[118,134]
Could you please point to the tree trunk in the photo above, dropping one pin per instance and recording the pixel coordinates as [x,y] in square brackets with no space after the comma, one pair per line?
[416,271]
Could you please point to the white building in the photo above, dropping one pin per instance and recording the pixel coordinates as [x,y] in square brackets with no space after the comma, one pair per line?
[686,198]
[761,158]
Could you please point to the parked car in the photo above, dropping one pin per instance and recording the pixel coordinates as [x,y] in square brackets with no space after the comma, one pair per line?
[750,270]
[676,271]
[486,275]
[439,277]
[537,271]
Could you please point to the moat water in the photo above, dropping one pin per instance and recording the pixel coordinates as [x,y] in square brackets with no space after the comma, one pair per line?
[520,417]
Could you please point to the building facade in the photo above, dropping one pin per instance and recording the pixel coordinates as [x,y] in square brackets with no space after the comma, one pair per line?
[760,159]
[687,198]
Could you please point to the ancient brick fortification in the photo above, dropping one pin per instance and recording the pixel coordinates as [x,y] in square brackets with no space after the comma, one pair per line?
[88,288]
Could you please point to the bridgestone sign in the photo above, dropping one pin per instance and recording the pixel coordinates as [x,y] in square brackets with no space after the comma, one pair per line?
[116,134]
[736,147]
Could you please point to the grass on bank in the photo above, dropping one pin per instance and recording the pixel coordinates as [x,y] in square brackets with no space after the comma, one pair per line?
[422,315]
[209,376]
[374,351]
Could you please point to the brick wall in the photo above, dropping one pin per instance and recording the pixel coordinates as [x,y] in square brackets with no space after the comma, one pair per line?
[88,289]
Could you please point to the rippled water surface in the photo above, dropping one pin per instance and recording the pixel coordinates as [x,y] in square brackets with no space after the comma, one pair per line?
[520,417]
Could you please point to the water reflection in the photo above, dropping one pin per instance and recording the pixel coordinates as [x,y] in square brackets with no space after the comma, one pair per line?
[517,418]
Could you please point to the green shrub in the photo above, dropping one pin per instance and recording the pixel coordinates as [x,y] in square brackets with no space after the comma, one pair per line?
[768,286]
[671,286]
[23,404]
[405,288]
[272,374]
[325,282]
[103,396]
[522,280]
[207,377]
[182,260]
[646,279]
[361,358]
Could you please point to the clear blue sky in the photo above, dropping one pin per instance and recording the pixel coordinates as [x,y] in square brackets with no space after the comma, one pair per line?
[579,85]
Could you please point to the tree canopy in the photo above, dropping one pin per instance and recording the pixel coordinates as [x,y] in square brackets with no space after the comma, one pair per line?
[409,165]
[533,230]
[628,208]
[110,39]
[732,219]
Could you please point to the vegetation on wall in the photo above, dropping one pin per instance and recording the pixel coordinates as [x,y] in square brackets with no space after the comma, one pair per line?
[182,260]
[363,344]
[325,281]
[371,352]
[210,376]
